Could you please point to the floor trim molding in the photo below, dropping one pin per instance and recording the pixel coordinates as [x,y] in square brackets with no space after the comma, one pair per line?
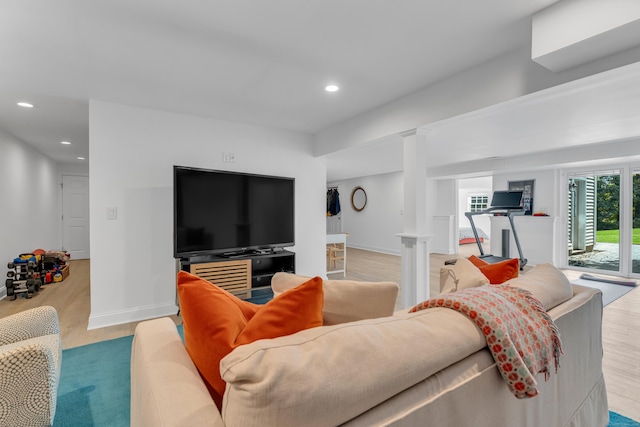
[136,314]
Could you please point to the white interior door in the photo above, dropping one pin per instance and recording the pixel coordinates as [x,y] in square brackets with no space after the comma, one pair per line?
[75,216]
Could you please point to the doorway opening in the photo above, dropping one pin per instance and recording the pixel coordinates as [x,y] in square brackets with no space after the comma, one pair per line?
[594,220]
[75,216]
[474,195]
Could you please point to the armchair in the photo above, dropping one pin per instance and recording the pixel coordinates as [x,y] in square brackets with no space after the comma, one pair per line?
[30,361]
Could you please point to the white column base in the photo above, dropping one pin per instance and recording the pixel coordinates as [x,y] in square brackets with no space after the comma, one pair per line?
[415,269]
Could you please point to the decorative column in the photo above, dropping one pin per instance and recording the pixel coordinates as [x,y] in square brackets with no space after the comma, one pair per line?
[415,269]
[415,254]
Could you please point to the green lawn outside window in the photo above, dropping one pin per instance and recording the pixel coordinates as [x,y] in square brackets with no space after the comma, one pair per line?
[613,236]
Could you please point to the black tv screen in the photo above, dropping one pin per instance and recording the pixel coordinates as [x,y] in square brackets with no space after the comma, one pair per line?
[220,212]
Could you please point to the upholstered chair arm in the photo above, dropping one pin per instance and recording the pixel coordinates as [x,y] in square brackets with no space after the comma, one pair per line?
[29,375]
[29,324]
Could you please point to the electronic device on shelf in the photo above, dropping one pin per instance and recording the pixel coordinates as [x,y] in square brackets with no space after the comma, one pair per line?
[505,201]
[237,214]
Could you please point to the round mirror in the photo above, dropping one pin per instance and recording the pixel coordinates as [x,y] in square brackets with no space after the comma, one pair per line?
[358,199]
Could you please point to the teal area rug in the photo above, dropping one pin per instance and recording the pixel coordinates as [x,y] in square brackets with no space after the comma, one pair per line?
[617,420]
[94,388]
[261,296]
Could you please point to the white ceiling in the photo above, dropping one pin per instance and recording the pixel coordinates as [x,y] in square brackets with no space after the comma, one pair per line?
[600,109]
[254,61]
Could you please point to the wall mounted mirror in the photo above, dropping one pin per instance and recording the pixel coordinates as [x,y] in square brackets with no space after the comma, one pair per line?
[358,199]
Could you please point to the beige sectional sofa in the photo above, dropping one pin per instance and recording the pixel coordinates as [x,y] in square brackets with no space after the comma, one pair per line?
[426,368]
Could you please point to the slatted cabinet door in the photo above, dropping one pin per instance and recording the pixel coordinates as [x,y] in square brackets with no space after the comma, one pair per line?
[232,276]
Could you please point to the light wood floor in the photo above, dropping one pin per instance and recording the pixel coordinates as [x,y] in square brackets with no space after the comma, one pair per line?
[621,323]
[71,298]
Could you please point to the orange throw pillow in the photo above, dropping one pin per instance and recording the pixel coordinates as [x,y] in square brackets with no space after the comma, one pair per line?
[498,272]
[215,321]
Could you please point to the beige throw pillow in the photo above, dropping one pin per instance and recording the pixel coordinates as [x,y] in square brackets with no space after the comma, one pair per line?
[548,284]
[346,300]
[462,275]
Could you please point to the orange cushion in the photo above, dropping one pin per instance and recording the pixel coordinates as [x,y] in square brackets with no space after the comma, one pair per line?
[498,272]
[215,321]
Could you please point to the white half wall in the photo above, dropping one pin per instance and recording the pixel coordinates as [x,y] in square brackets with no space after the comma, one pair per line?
[539,237]
[29,195]
[376,227]
[133,152]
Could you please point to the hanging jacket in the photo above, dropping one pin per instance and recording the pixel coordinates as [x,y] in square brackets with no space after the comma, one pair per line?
[333,202]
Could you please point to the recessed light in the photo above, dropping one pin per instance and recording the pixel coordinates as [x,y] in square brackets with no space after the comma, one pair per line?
[331,88]
[25,105]
[80,158]
[65,143]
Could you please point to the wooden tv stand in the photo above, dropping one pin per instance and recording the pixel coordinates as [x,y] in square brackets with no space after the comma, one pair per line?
[241,275]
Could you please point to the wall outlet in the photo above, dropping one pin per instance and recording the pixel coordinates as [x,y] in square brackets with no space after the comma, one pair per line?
[228,157]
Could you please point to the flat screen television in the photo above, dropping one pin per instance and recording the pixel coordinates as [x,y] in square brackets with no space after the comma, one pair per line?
[220,212]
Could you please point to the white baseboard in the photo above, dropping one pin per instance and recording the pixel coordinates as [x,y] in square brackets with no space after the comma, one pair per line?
[387,251]
[133,315]
[441,250]
[3,292]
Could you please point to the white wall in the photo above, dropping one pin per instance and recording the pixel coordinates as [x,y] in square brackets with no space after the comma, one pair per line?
[539,237]
[132,153]
[29,195]
[80,169]
[376,227]
[544,188]
[441,207]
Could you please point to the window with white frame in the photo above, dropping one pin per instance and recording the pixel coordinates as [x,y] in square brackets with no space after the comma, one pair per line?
[477,202]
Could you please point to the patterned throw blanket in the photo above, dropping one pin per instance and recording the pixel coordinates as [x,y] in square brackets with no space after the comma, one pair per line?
[520,334]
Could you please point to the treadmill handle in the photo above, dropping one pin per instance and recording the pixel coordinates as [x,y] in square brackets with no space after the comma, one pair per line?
[475,232]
